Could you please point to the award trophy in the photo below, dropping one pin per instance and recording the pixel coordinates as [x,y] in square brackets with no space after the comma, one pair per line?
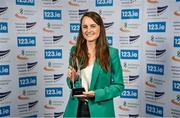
[75,64]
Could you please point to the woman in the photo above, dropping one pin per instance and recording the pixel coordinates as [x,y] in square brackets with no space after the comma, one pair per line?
[101,72]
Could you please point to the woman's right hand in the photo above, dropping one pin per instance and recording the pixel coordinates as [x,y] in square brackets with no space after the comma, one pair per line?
[72,74]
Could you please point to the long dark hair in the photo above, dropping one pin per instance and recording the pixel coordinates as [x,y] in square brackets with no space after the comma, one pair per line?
[102,51]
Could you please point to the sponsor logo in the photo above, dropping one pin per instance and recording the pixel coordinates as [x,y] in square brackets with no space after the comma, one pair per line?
[154,110]
[23,96]
[58,114]
[133,78]
[26,94]
[52,27]
[53,104]
[73,41]
[156,11]
[130,79]
[105,13]
[73,3]
[153,82]
[128,40]
[154,96]
[125,67]
[53,79]
[75,15]
[161,10]
[54,115]
[49,105]
[27,107]
[3,10]
[133,39]
[176,85]
[175,112]
[77,3]
[4,69]
[24,13]
[175,70]
[4,40]
[26,41]
[26,68]
[128,105]
[56,39]
[155,69]
[26,54]
[52,14]
[128,1]
[32,104]
[153,1]
[52,40]
[4,53]
[129,54]
[52,66]
[176,26]
[124,107]
[108,25]
[176,101]
[29,25]
[4,95]
[155,40]
[53,53]
[27,81]
[52,3]
[3,27]
[176,41]
[156,27]
[25,27]
[130,14]
[74,27]
[129,27]
[5,111]
[177,57]
[133,115]
[25,2]
[130,67]
[155,54]
[31,116]
[100,3]
[109,40]
[54,92]
[130,93]
[82,11]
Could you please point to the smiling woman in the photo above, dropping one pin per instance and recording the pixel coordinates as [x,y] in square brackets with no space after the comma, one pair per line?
[90,29]
[97,69]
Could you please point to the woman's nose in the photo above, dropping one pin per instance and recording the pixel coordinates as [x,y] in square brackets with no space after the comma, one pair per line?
[89,29]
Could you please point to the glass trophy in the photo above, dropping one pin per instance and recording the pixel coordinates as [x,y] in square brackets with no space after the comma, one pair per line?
[75,64]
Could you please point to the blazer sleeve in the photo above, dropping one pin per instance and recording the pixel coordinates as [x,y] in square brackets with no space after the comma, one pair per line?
[116,85]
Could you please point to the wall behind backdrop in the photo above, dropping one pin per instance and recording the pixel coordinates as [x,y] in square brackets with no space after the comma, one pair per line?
[36,35]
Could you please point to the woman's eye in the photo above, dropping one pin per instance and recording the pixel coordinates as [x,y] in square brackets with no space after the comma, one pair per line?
[93,26]
[84,26]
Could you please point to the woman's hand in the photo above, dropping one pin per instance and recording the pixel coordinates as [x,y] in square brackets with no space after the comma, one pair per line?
[89,94]
[72,74]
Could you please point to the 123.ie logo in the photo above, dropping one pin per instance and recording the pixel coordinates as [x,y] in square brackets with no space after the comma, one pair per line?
[100,3]
[52,14]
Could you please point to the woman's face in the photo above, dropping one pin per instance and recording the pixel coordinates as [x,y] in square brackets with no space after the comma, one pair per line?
[90,29]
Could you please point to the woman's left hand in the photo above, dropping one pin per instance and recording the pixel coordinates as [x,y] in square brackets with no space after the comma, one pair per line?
[89,94]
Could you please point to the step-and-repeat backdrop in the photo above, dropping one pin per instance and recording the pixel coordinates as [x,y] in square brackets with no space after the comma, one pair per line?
[35,38]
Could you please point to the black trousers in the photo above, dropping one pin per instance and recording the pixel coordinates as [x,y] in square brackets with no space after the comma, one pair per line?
[83,109]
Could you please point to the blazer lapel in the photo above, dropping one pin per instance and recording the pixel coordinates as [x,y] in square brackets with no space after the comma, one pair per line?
[95,73]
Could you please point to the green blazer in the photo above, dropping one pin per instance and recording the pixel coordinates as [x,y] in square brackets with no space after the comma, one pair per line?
[106,86]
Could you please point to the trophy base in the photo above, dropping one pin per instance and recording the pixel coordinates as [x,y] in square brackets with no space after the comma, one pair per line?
[77,91]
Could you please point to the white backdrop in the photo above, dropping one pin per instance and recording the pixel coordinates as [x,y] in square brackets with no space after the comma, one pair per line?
[35,38]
